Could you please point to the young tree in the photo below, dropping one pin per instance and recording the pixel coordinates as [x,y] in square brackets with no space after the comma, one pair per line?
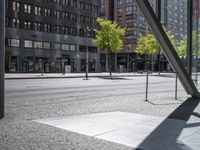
[147,45]
[181,47]
[108,37]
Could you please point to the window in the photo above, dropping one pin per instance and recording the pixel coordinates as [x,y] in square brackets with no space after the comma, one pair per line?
[119,2]
[37,44]
[72,47]
[66,15]
[131,8]
[46,45]
[27,25]
[57,29]
[65,47]
[129,1]
[14,42]
[37,26]
[57,1]
[27,8]
[141,18]
[73,17]
[15,23]
[38,10]
[73,31]
[74,3]
[119,10]
[57,46]
[66,2]
[28,43]
[47,27]
[131,16]
[57,14]
[16,6]
[47,12]
[66,30]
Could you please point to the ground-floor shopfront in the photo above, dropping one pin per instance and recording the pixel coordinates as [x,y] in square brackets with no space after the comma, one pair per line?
[131,62]
[49,53]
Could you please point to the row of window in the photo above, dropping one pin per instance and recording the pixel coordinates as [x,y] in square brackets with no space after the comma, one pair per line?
[38,26]
[40,44]
[119,2]
[133,17]
[27,8]
[134,33]
[130,41]
[56,14]
[128,9]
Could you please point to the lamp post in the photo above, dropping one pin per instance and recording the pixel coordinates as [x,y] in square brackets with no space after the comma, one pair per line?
[2,57]
[34,59]
[87,47]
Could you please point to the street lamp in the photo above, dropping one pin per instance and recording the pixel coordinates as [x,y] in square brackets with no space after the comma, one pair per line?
[2,57]
[88,30]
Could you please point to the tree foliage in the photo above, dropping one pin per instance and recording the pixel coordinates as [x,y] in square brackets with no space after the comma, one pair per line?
[181,47]
[148,44]
[108,36]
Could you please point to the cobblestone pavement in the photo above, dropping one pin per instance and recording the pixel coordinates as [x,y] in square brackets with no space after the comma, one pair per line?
[28,100]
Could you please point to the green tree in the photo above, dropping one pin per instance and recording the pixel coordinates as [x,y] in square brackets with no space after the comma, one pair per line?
[109,37]
[148,44]
[181,47]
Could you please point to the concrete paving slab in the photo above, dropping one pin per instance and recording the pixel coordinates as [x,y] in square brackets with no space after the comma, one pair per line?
[135,130]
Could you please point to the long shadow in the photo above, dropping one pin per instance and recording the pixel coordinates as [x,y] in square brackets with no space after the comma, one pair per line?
[114,78]
[165,136]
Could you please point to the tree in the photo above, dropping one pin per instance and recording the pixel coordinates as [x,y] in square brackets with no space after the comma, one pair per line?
[148,44]
[181,47]
[108,37]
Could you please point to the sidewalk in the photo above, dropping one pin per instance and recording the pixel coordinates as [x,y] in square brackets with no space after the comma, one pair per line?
[75,75]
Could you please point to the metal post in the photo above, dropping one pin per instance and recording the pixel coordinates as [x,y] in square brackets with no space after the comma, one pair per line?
[176,86]
[86,74]
[2,57]
[147,84]
[189,36]
[168,48]
[87,38]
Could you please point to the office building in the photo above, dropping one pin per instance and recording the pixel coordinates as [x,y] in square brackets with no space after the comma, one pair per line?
[51,34]
[127,14]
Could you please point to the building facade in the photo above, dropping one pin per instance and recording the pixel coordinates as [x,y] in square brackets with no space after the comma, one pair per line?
[52,35]
[176,20]
[128,15]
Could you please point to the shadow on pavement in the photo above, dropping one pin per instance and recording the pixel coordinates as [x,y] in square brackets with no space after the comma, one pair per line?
[114,78]
[166,135]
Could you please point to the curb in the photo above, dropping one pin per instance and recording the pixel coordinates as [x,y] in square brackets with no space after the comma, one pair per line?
[97,76]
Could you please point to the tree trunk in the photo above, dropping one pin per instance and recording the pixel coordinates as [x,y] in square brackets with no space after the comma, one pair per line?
[159,64]
[152,63]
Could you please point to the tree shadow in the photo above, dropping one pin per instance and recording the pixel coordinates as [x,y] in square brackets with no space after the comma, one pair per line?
[114,78]
[166,135]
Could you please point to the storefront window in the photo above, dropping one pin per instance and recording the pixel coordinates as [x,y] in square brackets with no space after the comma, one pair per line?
[14,42]
[28,44]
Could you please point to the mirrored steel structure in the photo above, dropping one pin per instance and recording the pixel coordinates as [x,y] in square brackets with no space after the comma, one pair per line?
[168,48]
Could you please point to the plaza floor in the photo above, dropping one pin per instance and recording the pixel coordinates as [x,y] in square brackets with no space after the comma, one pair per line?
[98,114]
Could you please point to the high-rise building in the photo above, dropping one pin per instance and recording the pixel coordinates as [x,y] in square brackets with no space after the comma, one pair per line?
[107,9]
[177,18]
[50,34]
[128,15]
